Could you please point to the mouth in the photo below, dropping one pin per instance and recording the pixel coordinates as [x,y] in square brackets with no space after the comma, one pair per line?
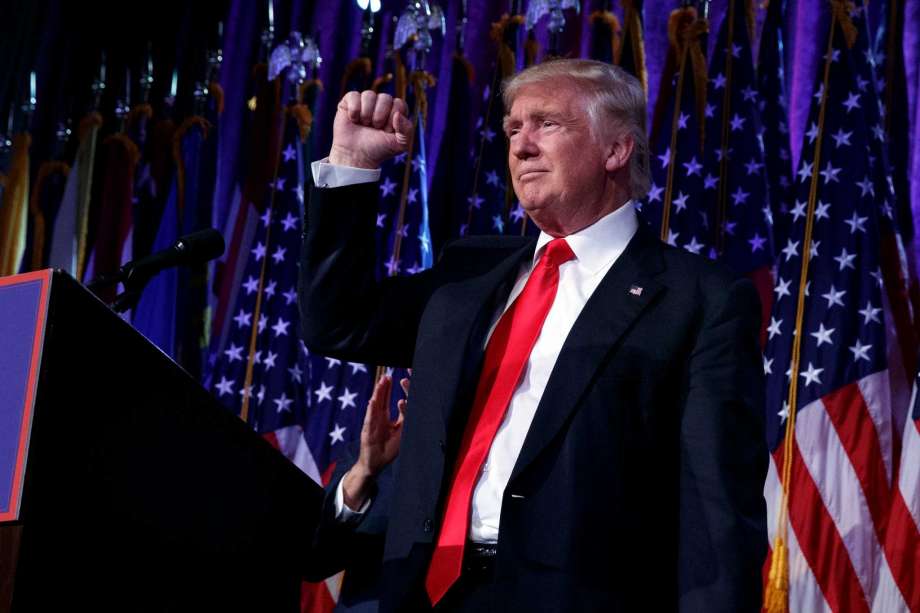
[530,174]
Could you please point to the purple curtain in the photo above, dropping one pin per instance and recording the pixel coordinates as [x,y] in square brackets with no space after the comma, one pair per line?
[338,26]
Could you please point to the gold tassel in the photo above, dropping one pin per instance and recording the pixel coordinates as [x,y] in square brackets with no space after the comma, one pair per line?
[217,92]
[38,216]
[616,39]
[304,118]
[633,35]
[467,66]
[307,86]
[205,125]
[141,110]
[842,10]
[401,81]
[380,81]
[531,48]
[362,66]
[776,597]
[750,19]
[506,58]
[684,32]
[420,81]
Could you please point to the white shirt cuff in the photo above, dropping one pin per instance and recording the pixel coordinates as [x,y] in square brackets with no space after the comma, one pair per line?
[330,175]
[343,513]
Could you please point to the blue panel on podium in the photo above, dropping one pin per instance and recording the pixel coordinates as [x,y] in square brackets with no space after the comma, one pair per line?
[23,311]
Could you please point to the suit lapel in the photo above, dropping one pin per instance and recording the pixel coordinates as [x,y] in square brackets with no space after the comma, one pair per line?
[624,293]
[473,304]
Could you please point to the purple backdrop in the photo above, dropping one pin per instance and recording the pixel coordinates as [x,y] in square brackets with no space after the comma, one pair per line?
[338,25]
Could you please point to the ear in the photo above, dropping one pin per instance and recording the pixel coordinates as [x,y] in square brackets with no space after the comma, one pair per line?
[619,153]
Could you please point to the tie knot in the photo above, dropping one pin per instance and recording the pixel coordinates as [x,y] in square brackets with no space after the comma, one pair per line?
[557,253]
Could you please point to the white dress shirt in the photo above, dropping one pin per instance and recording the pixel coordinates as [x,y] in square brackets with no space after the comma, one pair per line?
[596,248]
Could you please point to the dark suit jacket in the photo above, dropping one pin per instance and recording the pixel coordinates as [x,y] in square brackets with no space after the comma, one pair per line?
[639,484]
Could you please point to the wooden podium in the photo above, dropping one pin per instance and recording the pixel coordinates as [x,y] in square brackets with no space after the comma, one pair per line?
[123,484]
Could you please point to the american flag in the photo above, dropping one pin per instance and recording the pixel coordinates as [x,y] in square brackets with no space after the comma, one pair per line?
[491,205]
[263,372]
[678,205]
[403,233]
[735,175]
[774,127]
[834,411]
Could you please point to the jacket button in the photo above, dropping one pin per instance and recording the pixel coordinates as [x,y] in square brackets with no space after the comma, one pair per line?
[441,445]
[426,525]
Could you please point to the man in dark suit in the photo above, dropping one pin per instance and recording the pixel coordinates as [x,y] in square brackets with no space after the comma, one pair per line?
[586,429]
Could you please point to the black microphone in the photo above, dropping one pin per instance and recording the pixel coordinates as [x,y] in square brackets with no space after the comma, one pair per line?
[195,248]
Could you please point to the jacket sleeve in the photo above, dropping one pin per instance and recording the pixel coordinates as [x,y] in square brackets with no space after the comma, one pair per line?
[723,537]
[345,312]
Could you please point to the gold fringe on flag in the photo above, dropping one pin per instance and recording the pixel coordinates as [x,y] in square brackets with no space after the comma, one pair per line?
[360,66]
[38,216]
[15,206]
[178,135]
[616,35]
[506,57]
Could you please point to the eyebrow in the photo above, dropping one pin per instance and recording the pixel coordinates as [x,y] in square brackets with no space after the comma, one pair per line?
[559,115]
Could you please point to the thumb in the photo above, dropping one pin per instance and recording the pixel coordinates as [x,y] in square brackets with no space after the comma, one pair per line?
[402,127]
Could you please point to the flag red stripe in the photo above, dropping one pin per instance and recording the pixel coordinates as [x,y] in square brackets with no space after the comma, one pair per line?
[902,548]
[820,542]
[849,414]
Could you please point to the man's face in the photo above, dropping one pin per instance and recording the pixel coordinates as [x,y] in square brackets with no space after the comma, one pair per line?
[557,166]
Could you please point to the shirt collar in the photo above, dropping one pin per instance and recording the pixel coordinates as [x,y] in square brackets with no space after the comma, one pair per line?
[600,243]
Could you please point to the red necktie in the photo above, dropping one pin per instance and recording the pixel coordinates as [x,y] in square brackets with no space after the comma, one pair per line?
[506,356]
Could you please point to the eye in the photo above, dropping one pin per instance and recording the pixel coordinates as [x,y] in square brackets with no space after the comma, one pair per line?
[548,123]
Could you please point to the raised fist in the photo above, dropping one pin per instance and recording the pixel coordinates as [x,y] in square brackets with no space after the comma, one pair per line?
[369,129]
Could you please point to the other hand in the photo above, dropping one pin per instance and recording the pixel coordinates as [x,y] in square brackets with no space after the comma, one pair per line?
[380,440]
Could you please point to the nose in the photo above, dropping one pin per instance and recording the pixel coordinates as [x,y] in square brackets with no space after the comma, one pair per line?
[523,145]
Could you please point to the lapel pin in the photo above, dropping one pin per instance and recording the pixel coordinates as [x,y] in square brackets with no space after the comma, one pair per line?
[635,290]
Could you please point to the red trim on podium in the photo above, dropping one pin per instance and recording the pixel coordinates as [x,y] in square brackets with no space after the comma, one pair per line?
[23,445]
